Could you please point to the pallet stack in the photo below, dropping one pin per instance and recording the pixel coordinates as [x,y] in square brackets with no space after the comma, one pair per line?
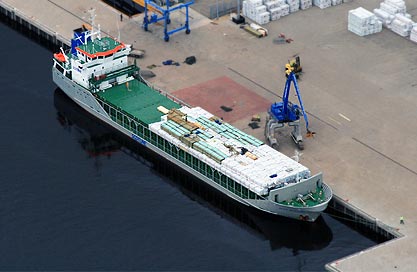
[363,22]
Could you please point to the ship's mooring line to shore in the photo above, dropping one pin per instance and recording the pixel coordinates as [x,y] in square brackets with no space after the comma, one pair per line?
[277,95]
[385,156]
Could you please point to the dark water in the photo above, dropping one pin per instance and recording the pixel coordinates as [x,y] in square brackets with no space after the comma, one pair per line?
[76,195]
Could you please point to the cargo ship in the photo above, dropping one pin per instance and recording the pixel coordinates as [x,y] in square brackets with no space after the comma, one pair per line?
[96,74]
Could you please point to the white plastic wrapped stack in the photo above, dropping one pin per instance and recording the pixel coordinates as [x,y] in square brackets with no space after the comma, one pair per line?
[393,14]
[277,8]
[285,9]
[322,3]
[271,4]
[336,2]
[413,35]
[275,13]
[385,17]
[398,6]
[256,11]
[305,4]
[294,5]
[363,22]
[402,25]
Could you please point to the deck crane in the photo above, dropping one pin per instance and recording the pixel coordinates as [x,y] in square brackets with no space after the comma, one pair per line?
[285,112]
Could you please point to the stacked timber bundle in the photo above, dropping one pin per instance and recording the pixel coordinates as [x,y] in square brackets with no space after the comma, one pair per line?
[363,22]
[180,118]
[413,35]
[322,3]
[305,4]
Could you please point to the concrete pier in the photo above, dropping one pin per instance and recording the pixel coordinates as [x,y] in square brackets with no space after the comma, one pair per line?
[360,93]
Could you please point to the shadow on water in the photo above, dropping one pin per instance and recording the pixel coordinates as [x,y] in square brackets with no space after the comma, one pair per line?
[99,139]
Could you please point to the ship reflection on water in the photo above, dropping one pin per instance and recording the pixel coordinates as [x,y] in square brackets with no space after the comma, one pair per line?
[99,139]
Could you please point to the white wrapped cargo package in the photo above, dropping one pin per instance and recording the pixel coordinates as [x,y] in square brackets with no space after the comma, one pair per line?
[336,2]
[402,25]
[384,17]
[305,4]
[322,3]
[363,22]
[260,9]
[413,34]
[255,3]
[285,10]
[398,4]
[244,7]
[263,18]
[275,13]
[271,5]
[389,8]
[294,5]
[400,28]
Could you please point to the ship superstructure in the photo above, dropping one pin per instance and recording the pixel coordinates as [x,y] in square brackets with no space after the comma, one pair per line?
[96,74]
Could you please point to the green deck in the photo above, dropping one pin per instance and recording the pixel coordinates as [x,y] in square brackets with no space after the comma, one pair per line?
[318,195]
[138,100]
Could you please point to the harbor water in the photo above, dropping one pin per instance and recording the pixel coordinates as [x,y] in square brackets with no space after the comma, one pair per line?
[77,195]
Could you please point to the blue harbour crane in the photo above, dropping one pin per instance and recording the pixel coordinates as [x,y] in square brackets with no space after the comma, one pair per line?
[285,112]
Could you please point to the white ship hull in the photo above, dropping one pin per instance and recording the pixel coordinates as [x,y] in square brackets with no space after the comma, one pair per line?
[87,101]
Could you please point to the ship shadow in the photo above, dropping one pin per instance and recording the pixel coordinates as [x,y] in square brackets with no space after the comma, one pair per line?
[99,139]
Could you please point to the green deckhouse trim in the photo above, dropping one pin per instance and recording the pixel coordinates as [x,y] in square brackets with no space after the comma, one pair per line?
[138,100]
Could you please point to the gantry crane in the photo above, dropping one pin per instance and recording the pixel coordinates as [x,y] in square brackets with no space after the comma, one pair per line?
[160,13]
[285,112]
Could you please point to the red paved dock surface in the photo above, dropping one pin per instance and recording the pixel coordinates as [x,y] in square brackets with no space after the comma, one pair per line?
[223,91]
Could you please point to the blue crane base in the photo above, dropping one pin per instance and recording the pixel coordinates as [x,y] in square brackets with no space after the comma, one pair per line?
[285,112]
[154,18]
[293,112]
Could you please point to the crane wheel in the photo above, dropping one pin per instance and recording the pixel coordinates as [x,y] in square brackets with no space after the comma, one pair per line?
[300,145]
[274,146]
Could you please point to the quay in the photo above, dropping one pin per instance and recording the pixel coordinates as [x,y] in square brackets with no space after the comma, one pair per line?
[360,94]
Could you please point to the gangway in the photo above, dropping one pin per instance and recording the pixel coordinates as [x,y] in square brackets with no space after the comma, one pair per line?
[162,13]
